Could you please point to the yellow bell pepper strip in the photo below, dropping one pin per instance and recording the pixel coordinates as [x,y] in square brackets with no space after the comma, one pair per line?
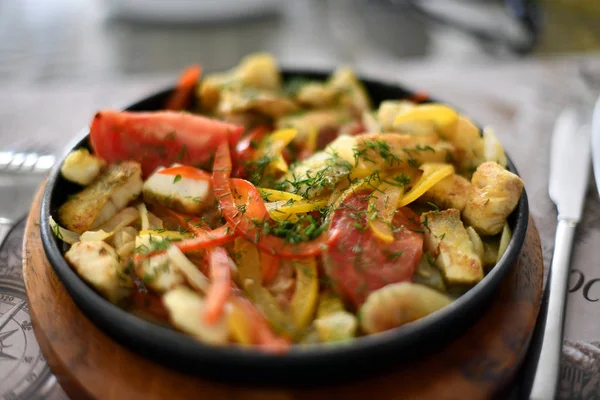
[249,326]
[306,294]
[439,114]
[266,303]
[382,206]
[287,210]
[272,146]
[277,195]
[239,325]
[432,174]
[248,262]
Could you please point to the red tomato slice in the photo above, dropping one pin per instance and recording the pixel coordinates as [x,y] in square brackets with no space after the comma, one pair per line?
[182,95]
[244,224]
[358,262]
[159,138]
[187,172]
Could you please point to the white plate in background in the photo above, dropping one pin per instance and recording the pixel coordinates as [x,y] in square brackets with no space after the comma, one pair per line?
[186,11]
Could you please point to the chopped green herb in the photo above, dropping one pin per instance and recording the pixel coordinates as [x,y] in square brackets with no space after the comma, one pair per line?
[177,178]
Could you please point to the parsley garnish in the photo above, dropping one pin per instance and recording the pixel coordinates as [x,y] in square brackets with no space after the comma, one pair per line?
[177,178]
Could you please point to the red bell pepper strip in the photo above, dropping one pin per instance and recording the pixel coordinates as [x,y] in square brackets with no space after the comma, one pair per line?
[181,97]
[269,266]
[243,222]
[205,239]
[262,334]
[220,284]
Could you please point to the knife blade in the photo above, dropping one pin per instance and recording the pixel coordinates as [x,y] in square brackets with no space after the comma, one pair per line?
[596,143]
[569,174]
[569,164]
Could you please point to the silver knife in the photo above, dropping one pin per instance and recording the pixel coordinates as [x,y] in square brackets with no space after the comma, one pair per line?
[596,143]
[569,174]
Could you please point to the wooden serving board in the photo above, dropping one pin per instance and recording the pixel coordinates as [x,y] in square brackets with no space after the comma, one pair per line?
[88,364]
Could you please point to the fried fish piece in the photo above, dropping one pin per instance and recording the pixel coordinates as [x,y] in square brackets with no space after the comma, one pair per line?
[97,263]
[103,198]
[494,195]
[447,240]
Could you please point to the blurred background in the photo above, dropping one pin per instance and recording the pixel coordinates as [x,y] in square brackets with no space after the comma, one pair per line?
[48,40]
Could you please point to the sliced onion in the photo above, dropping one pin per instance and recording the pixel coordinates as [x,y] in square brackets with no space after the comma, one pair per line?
[492,149]
[504,241]
[92,236]
[125,217]
[477,242]
[195,278]
[144,221]
[63,234]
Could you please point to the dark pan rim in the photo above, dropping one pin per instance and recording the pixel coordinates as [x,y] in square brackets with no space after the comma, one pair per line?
[134,329]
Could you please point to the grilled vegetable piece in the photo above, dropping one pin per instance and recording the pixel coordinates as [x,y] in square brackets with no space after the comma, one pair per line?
[82,167]
[158,138]
[389,109]
[450,192]
[325,122]
[180,188]
[316,95]
[449,244]
[186,309]
[319,173]
[357,262]
[97,263]
[397,304]
[466,138]
[258,71]
[352,93]
[251,100]
[103,198]
[494,196]
[334,323]
[153,265]
[379,151]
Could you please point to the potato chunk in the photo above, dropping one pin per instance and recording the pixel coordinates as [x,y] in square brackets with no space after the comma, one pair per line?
[97,263]
[450,192]
[103,198]
[82,167]
[397,304]
[447,240]
[494,195]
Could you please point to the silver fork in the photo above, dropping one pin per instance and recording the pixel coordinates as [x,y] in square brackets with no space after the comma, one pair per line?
[21,172]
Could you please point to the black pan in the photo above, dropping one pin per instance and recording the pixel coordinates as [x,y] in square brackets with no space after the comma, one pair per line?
[302,365]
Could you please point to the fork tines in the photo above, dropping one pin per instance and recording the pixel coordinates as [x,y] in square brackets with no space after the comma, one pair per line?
[11,161]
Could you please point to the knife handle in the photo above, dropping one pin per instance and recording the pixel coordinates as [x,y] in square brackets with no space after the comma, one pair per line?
[545,380]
